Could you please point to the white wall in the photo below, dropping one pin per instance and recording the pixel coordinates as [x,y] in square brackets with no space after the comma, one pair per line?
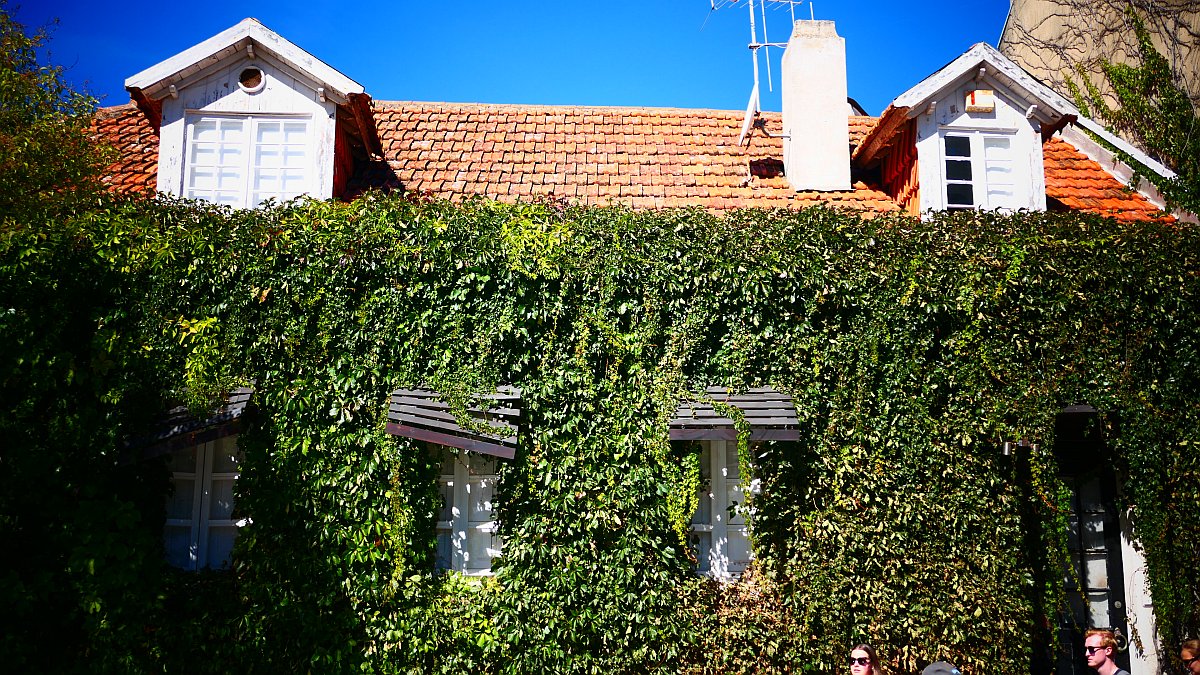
[1009,116]
[217,91]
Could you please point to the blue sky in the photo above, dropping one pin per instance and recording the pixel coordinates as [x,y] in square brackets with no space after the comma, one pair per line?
[671,53]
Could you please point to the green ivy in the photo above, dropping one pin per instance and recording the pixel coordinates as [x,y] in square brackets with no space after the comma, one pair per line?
[911,349]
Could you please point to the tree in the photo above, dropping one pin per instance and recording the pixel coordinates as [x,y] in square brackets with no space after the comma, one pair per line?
[46,154]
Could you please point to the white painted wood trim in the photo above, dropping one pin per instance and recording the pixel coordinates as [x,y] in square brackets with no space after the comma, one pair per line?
[224,44]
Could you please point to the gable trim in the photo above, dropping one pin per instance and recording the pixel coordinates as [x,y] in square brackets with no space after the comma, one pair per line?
[154,82]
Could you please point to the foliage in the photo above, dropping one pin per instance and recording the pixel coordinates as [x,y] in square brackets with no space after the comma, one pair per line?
[911,349]
[1154,110]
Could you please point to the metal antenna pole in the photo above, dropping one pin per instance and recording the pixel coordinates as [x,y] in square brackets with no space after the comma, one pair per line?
[762,7]
[754,43]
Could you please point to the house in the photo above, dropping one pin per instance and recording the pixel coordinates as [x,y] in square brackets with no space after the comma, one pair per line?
[247,116]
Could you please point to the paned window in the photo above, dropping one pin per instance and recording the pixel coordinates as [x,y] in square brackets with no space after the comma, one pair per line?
[720,537]
[201,527]
[245,160]
[466,531]
[978,170]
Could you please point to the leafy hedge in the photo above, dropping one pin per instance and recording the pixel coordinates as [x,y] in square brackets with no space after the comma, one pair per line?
[911,350]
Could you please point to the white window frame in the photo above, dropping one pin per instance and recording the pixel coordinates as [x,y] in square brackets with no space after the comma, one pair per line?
[245,194]
[986,172]
[198,520]
[719,527]
[466,483]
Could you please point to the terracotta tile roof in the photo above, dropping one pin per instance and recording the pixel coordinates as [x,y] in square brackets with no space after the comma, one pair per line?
[125,128]
[642,157]
[1080,183]
[860,126]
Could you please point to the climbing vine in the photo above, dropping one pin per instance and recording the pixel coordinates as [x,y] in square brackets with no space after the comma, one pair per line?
[912,350]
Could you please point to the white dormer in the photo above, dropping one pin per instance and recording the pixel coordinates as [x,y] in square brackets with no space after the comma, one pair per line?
[247,116]
[979,126]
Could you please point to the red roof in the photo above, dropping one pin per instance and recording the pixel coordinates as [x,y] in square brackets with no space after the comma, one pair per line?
[126,128]
[641,157]
[1081,184]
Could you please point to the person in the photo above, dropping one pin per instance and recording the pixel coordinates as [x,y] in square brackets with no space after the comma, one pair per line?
[1099,647]
[864,660]
[941,668]
[1190,655]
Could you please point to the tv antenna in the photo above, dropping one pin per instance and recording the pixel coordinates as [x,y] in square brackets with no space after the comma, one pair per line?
[753,108]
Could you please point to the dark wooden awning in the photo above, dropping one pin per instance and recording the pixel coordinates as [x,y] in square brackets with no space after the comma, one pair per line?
[423,415]
[181,429]
[769,412]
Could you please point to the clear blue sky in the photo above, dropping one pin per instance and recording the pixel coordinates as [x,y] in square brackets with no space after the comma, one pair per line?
[672,53]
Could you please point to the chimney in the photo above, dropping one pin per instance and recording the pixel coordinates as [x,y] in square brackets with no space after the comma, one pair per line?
[816,143]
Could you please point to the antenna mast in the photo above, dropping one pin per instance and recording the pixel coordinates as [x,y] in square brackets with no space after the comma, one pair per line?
[753,107]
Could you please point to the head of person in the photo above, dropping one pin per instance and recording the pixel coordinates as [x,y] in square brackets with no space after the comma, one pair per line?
[864,660]
[1099,647]
[1189,653]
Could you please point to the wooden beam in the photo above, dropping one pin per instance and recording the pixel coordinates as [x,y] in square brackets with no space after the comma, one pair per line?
[360,105]
[880,138]
[452,440]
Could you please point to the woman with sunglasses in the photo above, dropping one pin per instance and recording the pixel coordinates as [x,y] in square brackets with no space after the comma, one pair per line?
[863,660]
[1190,655]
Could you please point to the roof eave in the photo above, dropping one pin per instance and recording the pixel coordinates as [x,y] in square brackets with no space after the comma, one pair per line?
[155,81]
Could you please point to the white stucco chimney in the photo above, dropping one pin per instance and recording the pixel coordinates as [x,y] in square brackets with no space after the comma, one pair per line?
[816,144]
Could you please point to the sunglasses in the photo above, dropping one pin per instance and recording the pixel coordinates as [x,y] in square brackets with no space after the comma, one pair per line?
[1187,663]
[1093,650]
[860,660]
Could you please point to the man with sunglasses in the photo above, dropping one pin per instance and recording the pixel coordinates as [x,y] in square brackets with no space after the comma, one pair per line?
[1099,646]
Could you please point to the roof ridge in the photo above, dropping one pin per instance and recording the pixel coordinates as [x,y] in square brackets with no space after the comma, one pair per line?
[566,108]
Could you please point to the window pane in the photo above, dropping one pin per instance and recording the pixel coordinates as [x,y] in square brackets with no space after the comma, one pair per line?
[220,502]
[204,154]
[294,132]
[958,146]
[703,515]
[702,546]
[481,465]
[182,461]
[1095,566]
[1098,607]
[957,169]
[446,492]
[737,504]
[738,549]
[269,132]
[996,147]
[220,545]
[177,541]
[181,504]
[960,194]
[731,462]
[202,179]
[231,131]
[269,156]
[205,131]
[479,495]
[445,550]
[226,458]
[482,546]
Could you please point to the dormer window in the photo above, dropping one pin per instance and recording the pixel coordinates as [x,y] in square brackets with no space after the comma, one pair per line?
[979,171]
[247,116]
[244,160]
